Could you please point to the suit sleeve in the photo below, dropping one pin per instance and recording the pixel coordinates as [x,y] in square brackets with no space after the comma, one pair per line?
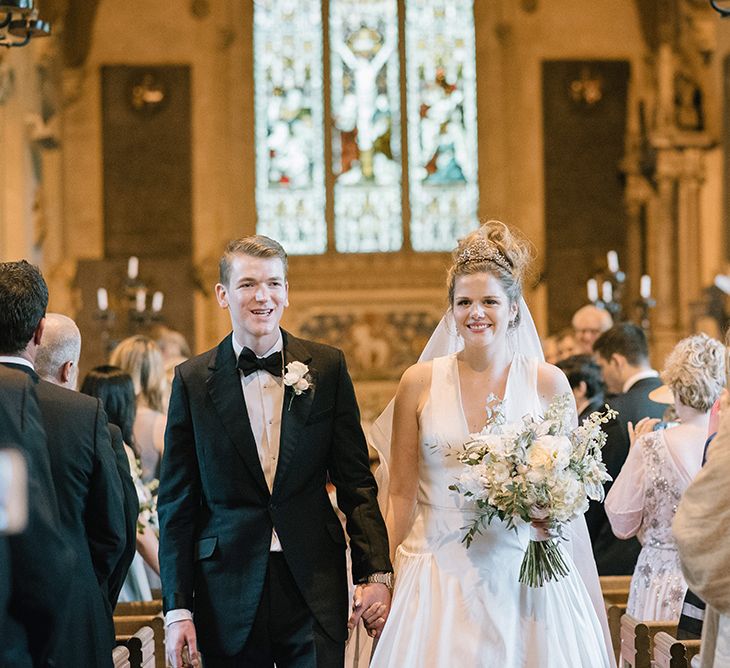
[40,585]
[357,491]
[178,501]
[105,518]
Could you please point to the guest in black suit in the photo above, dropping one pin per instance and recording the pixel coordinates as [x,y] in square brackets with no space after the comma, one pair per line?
[586,381]
[623,355]
[57,361]
[84,470]
[39,585]
[249,541]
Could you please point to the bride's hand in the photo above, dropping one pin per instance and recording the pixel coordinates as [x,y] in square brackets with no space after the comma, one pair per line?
[371,603]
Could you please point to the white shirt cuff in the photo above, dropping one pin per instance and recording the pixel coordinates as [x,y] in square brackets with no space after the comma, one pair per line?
[178,615]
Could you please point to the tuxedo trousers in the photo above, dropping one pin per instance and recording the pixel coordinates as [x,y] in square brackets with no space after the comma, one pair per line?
[284,631]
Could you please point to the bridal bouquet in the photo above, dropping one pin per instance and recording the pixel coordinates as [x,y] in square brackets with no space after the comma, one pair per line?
[536,470]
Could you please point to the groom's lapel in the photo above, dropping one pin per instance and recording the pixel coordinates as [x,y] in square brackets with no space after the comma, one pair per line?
[224,387]
[296,408]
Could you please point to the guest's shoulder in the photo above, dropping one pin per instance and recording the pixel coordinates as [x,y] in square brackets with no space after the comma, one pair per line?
[63,397]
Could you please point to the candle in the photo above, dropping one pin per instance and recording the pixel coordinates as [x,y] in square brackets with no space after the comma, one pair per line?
[645,287]
[102,299]
[133,267]
[607,292]
[592,286]
[140,300]
[157,299]
[612,259]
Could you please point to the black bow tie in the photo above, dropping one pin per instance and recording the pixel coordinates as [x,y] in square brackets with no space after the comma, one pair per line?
[249,363]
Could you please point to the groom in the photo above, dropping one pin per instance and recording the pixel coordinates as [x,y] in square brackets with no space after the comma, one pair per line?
[252,555]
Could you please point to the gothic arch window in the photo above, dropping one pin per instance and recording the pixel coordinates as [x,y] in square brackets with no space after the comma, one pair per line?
[338,83]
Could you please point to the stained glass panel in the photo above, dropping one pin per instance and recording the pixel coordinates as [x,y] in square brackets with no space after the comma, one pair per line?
[290,185]
[366,142]
[442,121]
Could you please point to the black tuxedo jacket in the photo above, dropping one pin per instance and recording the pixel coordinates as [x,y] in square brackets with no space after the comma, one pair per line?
[216,513]
[613,555]
[35,564]
[90,502]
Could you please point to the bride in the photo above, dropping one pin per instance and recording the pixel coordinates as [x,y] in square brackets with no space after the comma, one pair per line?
[454,606]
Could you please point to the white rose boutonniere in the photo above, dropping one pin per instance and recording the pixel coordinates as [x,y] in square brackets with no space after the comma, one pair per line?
[297,377]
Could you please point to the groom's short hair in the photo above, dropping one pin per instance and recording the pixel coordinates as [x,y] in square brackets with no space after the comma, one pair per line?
[256,245]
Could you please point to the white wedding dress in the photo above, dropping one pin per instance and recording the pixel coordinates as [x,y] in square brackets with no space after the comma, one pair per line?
[454,606]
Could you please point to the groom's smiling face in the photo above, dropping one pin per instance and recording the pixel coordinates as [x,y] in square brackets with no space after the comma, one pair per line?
[256,296]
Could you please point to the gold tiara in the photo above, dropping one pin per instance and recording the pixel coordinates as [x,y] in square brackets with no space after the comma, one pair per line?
[481,250]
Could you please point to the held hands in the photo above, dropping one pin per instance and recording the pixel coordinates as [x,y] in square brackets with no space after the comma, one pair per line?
[371,602]
[181,645]
[643,426]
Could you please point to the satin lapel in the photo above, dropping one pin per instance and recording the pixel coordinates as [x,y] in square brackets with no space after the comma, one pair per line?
[224,388]
[296,408]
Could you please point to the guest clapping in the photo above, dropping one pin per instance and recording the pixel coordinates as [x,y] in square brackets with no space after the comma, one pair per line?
[658,469]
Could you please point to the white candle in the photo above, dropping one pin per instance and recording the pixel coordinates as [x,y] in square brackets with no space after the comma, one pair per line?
[133,267]
[102,299]
[140,300]
[607,292]
[592,286]
[645,287]
[612,259]
[157,300]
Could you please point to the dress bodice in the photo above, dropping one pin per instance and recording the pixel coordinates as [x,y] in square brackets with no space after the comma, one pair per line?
[443,428]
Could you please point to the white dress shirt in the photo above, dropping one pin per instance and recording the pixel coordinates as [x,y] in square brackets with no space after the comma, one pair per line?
[12,359]
[264,396]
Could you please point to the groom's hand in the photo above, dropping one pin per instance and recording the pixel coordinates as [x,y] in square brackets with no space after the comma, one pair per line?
[371,602]
[181,644]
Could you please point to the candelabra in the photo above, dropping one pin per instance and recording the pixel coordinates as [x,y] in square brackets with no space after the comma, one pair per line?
[132,302]
[612,281]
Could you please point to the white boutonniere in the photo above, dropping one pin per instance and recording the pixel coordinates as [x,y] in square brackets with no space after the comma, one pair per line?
[297,377]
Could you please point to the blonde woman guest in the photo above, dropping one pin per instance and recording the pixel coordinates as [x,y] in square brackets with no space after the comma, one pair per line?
[659,468]
[141,358]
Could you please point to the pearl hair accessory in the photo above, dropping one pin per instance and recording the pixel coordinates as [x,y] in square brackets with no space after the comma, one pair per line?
[482,250]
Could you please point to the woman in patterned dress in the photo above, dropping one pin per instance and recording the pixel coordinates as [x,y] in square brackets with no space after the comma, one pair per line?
[660,465]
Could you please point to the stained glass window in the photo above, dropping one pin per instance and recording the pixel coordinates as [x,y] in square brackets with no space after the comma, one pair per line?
[442,118]
[366,151]
[289,112]
[363,173]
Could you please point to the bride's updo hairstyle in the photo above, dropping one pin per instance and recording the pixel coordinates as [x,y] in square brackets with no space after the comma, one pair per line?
[497,250]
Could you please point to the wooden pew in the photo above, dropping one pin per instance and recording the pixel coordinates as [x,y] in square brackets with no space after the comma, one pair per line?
[615,588]
[672,653]
[141,648]
[125,626]
[120,657]
[125,609]
[614,612]
[637,640]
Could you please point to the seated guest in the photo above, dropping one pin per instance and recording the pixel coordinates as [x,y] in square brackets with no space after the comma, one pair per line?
[585,379]
[116,390]
[658,469]
[567,344]
[140,357]
[623,355]
[589,322]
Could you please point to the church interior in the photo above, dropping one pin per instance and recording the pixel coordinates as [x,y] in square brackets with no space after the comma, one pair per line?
[368,137]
